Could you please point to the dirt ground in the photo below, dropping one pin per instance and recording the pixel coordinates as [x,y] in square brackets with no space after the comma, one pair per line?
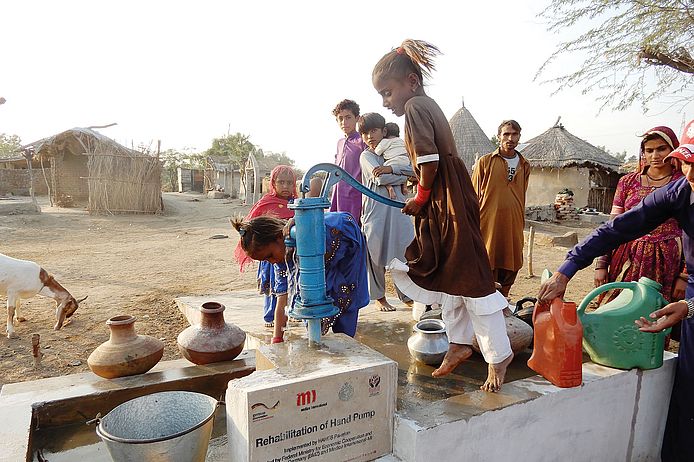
[138,264]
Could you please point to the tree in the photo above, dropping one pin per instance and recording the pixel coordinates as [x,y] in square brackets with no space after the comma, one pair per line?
[171,159]
[632,51]
[9,145]
[495,141]
[620,156]
[235,147]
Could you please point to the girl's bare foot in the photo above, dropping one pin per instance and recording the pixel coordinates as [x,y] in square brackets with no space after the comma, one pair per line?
[383,305]
[497,372]
[456,355]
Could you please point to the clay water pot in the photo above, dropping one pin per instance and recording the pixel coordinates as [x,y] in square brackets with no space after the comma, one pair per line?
[125,353]
[519,333]
[429,342]
[213,340]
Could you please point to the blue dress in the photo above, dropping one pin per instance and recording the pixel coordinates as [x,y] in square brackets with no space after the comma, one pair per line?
[345,274]
[272,281]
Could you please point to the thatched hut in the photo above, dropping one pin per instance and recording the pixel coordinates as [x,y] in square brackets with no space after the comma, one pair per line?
[470,141]
[90,168]
[561,160]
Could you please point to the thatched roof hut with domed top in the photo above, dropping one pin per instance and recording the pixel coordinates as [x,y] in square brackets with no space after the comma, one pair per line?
[561,160]
[470,141]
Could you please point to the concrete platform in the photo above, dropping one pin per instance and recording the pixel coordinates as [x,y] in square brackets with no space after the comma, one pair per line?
[614,415]
[27,407]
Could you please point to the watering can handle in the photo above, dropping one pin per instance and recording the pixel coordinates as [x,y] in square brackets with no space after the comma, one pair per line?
[603,288]
[335,174]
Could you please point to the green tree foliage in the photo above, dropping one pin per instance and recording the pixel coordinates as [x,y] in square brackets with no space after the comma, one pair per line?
[621,156]
[9,145]
[495,141]
[632,50]
[235,147]
[171,159]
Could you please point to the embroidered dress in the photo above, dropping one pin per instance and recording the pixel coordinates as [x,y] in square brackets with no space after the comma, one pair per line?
[345,272]
[658,254]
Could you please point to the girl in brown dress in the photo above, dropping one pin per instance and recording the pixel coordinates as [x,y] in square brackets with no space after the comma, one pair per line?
[447,262]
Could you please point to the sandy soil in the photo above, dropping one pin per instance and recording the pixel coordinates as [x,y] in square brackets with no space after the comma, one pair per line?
[138,264]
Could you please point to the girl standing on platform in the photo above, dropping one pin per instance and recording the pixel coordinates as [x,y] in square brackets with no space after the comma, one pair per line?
[272,278]
[447,262]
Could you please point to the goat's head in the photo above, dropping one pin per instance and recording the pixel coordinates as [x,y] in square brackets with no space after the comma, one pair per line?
[65,310]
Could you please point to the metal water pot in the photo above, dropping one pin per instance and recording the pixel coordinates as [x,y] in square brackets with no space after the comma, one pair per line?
[429,342]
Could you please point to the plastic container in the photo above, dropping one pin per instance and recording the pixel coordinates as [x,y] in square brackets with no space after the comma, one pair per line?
[610,336]
[557,353]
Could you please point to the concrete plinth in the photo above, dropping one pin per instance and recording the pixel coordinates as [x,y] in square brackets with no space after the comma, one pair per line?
[614,415]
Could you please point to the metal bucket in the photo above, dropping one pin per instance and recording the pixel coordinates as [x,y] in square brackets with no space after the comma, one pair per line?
[169,426]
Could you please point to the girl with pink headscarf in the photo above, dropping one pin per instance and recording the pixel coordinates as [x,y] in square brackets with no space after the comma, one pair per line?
[272,279]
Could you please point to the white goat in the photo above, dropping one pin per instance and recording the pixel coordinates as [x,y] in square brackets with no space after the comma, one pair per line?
[23,279]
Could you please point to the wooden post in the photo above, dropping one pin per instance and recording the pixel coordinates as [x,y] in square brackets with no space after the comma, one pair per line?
[531,244]
[36,349]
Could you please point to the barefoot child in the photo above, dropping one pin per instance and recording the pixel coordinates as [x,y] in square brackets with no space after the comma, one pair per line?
[282,189]
[394,153]
[388,232]
[447,262]
[262,239]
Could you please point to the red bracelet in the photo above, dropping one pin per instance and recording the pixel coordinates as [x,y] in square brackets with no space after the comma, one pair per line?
[422,196]
[277,340]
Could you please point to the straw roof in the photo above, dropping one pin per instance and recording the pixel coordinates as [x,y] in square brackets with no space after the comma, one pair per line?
[557,148]
[470,141]
[79,140]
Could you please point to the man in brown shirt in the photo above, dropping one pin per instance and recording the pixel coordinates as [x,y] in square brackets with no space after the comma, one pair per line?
[500,179]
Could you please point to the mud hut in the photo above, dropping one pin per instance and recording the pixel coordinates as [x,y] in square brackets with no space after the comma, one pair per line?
[562,160]
[470,141]
[88,168]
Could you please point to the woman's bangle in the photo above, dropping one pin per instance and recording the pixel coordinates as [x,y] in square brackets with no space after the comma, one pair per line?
[422,196]
[690,308]
[684,277]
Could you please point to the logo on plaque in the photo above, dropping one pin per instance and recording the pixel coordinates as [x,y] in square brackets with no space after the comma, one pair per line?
[346,392]
[306,398]
[374,385]
[261,411]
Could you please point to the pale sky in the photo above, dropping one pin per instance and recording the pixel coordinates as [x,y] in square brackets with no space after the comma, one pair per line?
[187,72]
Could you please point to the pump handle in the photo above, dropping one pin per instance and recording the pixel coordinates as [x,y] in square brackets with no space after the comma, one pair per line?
[335,174]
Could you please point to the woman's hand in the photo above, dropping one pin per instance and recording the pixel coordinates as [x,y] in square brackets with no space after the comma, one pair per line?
[412,208]
[670,314]
[552,288]
[679,289]
[600,277]
[378,171]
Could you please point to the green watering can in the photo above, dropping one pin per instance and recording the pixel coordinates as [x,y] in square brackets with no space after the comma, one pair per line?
[609,334]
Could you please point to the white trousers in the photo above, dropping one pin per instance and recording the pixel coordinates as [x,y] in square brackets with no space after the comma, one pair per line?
[462,325]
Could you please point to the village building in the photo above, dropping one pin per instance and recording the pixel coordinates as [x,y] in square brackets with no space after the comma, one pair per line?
[561,160]
[89,169]
[470,141]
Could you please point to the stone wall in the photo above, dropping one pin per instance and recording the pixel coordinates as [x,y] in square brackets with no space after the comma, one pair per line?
[16,182]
